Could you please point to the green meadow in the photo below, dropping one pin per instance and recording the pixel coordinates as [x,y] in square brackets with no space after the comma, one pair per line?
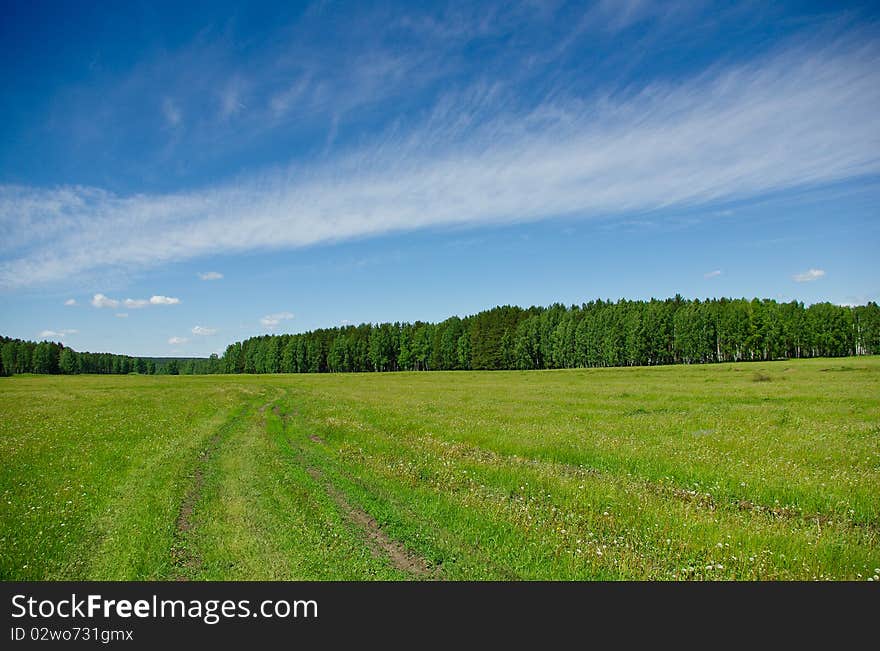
[764,471]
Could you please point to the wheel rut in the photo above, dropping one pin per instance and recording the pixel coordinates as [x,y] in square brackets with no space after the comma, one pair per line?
[184,559]
[378,541]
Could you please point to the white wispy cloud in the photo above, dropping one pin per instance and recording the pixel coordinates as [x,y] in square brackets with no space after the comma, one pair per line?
[808,275]
[210,275]
[615,15]
[121,315]
[171,112]
[57,334]
[175,341]
[804,116]
[282,101]
[135,303]
[712,274]
[70,302]
[231,102]
[272,320]
[203,332]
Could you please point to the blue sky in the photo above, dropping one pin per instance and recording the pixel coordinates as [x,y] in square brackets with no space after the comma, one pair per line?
[178,176]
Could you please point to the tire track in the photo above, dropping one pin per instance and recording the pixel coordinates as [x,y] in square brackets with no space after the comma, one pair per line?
[379,542]
[184,560]
[298,453]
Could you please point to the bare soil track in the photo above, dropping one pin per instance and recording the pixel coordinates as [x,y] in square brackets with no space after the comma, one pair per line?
[378,541]
[183,557]
[186,561]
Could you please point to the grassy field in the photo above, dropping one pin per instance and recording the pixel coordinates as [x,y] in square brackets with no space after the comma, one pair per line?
[735,471]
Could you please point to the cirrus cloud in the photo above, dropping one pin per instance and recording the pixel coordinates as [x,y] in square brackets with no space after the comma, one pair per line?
[203,331]
[803,116]
[171,112]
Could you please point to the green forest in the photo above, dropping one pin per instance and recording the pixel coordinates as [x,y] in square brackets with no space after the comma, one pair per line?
[599,333]
[52,358]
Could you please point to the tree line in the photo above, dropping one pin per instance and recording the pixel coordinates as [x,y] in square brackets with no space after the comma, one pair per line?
[599,333]
[49,357]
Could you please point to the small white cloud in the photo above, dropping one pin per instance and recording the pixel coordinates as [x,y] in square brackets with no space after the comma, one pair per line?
[121,315]
[164,300]
[210,275]
[175,341]
[712,274]
[70,302]
[99,300]
[808,276]
[345,322]
[272,320]
[204,332]
[57,334]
